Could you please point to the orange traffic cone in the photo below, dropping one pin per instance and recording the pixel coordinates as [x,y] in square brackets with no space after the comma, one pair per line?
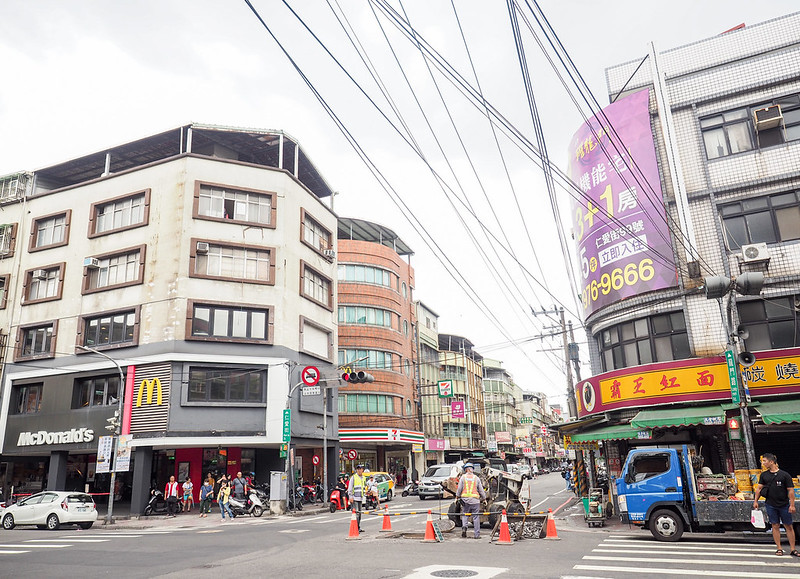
[505,535]
[387,520]
[353,535]
[551,526]
[430,536]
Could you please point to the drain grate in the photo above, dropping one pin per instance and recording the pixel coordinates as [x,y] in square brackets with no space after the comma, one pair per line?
[454,573]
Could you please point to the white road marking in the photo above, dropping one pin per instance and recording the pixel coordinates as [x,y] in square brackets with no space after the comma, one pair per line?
[70,540]
[52,546]
[211,531]
[705,561]
[698,572]
[687,553]
[295,531]
[696,546]
[12,552]
[481,572]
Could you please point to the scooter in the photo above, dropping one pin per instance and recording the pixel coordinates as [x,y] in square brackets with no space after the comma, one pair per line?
[339,500]
[157,505]
[252,505]
[412,489]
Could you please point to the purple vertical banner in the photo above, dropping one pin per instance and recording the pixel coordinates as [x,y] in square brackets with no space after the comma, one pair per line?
[619,222]
[457,409]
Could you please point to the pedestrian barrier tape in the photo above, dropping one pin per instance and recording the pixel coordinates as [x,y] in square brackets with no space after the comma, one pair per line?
[447,513]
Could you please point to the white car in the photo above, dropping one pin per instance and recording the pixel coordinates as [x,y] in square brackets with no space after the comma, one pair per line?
[50,510]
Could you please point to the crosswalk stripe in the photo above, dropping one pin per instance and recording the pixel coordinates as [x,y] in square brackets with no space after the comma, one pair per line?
[51,546]
[697,572]
[687,545]
[685,553]
[716,562]
[12,552]
[70,540]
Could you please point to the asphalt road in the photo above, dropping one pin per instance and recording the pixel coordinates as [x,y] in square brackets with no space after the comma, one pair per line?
[316,546]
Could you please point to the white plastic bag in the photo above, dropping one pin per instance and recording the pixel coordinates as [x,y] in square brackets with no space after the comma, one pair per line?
[757,518]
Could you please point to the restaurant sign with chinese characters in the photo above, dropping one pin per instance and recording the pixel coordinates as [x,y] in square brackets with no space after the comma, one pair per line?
[774,372]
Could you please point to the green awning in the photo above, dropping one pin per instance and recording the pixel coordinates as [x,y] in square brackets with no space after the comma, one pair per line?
[686,416]
[618,432]
[780,411]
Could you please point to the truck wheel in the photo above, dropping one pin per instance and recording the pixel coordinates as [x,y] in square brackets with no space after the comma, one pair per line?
[496,510]
[666,525]
[454,512]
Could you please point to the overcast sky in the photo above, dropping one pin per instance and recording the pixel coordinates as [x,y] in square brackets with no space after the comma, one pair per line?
[82,75]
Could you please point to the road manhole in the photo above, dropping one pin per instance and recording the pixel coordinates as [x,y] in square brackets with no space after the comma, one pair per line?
[454,573]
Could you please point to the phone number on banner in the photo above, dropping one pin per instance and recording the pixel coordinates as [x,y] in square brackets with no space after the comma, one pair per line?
[618,278]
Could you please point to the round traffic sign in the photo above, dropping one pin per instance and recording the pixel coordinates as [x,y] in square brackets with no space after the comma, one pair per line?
[352,454]
[310,375]
[315,460]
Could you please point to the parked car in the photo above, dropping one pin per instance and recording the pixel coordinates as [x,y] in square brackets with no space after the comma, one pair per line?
[385,484]
[430,485]
[50,510]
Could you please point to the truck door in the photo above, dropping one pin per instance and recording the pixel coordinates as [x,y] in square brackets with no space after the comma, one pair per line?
[652,477]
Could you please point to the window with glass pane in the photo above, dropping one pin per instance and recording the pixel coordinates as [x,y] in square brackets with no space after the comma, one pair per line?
[118,328]
[233,385]
[50,231]
[314,234]
[772,323]
[229,322]
[766,219]
[44,285]
[233,262]
[37,341]
[225,203]
[120,213]
[103,391]
[316,287]
[364,274]
[115,270]
[28,399]
[364,315]
[643,341]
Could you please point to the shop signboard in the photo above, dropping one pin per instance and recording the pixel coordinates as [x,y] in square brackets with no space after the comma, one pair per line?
[123,463]
[435,443]
[416,448]
[457,409]
[618,218]
[694,380]
[445,388]
[104,446]
[491,445]
[502,437]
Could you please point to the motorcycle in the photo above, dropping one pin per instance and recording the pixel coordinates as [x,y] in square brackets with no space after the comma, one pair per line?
[412,489]
[251,505]
[338,500]
[157,505]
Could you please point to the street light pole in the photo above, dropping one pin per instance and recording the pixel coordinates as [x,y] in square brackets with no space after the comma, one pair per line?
[117,429]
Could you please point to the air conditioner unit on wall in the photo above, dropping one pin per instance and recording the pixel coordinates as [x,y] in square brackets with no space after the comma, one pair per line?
[755,252]
[768,117]
[39,274]
[91,262]
[202,247]
[329,253]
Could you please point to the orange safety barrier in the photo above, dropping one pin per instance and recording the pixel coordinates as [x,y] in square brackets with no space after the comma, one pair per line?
[387,521]
[505,534]
[353,535]
[551,526]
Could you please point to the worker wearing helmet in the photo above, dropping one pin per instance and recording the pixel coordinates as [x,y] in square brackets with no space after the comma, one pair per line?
[357,491]
[470,491]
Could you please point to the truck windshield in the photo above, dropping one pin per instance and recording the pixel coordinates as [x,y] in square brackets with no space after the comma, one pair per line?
[644,467]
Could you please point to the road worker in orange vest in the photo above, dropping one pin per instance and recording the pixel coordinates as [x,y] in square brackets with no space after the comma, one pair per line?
[470,492]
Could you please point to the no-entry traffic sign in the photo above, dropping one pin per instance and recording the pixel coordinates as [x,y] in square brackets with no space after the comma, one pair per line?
[315,460]
[352,454]
[310,375]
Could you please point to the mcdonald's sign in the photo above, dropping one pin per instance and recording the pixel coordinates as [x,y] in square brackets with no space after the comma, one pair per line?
[150,385]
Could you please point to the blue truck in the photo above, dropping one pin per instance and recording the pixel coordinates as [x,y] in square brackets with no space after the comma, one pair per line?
[657,490]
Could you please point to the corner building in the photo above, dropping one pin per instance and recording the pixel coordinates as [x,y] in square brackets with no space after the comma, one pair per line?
[724,115]
[377,322]
[197,262]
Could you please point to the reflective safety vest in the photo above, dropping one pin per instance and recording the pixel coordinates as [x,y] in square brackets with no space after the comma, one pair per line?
[470,487]
[359,482]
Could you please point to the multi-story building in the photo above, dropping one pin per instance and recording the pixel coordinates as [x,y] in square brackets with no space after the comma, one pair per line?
[377,319]
[183,278]
[464,413]
[724,115]
[500,400]
[427,381]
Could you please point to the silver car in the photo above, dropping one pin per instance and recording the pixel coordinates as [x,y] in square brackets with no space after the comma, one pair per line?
[50,510]
[430,485]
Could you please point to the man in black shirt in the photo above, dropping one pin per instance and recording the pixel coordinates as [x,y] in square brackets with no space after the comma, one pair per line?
[778,489]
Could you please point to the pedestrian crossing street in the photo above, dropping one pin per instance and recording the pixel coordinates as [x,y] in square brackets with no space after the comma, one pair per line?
[621,556]
[66,541]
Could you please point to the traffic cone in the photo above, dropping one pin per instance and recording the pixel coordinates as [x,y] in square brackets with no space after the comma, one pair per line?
[505,535]
[387,521]
[430,536]
[353,535]
[551,526]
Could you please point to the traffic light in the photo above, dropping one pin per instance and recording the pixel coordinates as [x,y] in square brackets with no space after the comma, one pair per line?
[113,422]
[357,377]
[734,429]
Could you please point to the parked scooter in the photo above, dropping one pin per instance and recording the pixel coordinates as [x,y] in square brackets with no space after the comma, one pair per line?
[412,489]
[251,505]
[157,505]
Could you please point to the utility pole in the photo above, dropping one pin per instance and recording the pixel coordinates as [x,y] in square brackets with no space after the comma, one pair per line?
[571,354]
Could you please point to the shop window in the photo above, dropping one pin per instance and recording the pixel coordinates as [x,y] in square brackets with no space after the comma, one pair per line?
[766,219]
[773,323]
[232,262]
[228,322]
[658,338]
[43,284]
[102,391]
[119,214]
[36,341]
[316,286]
[223,203]
[50,231]
[112,329]
[27,399]
[120,269]
[227,385]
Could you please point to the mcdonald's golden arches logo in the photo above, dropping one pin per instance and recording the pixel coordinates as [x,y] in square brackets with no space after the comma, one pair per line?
[150,385]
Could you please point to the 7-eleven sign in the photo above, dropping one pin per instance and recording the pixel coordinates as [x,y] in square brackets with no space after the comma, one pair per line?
[445,388]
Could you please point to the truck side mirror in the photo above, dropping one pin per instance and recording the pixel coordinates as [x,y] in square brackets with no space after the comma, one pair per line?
[629,478]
